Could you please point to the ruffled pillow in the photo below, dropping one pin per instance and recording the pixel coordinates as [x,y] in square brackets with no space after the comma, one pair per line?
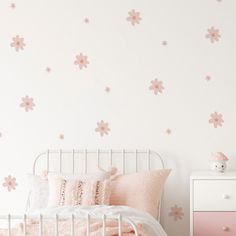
[71,192]
[39,187]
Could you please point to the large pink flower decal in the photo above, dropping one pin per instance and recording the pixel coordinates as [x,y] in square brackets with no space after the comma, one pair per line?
[27,103]
[176,212]
[216,119]
[81,61]
[9,183]
[156,86]
[18,43]
[134,17]
[213,34]
[102,128]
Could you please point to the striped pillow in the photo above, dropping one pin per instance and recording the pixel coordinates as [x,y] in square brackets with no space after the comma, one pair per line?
[71,192]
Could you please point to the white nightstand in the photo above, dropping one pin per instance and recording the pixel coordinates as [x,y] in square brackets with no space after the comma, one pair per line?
[213,204]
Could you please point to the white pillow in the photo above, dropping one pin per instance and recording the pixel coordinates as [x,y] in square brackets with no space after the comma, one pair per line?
[39,187]
[38,192]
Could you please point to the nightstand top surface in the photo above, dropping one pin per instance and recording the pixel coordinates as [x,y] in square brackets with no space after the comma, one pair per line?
[208,174]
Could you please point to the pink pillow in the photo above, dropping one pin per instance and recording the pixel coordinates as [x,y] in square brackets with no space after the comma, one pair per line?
[139,190]
[71,192]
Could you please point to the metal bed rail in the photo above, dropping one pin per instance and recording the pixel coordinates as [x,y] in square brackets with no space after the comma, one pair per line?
[98,152]
[68,217]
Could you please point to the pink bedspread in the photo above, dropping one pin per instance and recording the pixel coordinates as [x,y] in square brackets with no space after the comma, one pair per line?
[80,228]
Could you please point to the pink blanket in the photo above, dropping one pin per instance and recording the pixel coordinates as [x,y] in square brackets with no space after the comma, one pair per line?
[80,228]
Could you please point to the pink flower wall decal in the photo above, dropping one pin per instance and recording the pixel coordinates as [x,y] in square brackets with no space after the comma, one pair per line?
[156,86]
[9,183]
[134,17]
[102,128]
[213,34]
[18,43]
[176,212]
[216,119]
[27,103]
[81,61]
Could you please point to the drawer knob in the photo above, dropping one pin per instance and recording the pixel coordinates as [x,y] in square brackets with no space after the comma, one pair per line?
[225,228]
[226,196]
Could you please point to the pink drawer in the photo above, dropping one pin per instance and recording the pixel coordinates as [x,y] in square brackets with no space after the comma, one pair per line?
[214,224]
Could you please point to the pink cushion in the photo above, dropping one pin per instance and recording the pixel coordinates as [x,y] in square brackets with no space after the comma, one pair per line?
[139,190]
[72,192]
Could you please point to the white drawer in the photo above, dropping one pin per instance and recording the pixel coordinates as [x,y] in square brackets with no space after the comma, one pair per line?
[214,195]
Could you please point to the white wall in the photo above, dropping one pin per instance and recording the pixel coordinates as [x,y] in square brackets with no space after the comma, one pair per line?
[125,58]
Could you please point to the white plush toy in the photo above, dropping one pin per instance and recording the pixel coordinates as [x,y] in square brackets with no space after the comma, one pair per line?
[219,162]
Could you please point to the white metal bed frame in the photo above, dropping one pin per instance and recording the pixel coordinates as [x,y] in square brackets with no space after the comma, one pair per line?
[72,217]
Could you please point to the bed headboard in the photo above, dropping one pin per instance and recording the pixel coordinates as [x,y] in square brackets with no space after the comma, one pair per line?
[79,160]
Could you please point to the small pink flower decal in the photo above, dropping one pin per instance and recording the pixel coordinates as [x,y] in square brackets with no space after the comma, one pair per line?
[176,212]
[10,183]
[107,89]
[86,20]
[208,78]
[18,43]
[213,34]
[102,128]
[156,86]
[168,131]
[216,119]
[27,103]
[61,136]
[13,6]
[81,61]
[134,17]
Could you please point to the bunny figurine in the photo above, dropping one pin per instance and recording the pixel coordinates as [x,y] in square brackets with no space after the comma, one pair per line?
[219,162]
